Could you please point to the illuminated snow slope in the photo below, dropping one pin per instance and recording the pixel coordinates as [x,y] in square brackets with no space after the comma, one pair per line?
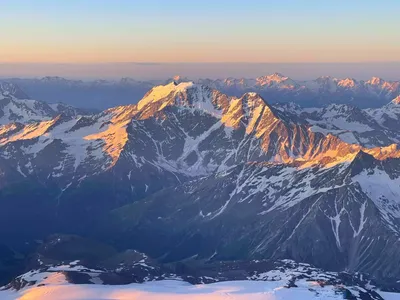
[175,290]
[291,282]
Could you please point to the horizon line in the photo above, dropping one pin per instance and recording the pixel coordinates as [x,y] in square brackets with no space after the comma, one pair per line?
[196,63]
[189,79]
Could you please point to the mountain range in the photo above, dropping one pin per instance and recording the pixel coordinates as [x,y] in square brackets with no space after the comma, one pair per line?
[191,173]
[276,88]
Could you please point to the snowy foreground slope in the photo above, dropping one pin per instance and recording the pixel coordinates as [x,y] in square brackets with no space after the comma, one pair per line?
[177,290]
[289,281]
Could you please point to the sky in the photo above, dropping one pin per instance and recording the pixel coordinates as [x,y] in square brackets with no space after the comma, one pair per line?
[203,31]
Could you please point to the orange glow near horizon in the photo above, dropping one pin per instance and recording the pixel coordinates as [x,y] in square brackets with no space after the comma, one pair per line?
[197,53]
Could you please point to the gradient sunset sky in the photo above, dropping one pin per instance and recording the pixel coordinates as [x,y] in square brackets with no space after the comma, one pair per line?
[95,31]
[49,32]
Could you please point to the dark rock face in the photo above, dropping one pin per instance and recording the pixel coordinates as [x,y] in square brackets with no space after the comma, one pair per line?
[315,215]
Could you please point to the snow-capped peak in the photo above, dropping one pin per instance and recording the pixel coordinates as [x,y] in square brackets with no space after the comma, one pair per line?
[161,92]
[396,100]
[53,79]
[375,81]
[275,78]
[184,95]
[395,103]
[179,78]
[278,77]
[128,81]
[347,82]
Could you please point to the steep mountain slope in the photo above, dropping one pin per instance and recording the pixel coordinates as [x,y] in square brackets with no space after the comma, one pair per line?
[343,217]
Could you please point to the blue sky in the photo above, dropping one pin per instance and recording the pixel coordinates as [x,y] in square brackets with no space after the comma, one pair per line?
[199,31]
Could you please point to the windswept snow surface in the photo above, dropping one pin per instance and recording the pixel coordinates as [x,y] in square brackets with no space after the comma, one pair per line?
[176,290]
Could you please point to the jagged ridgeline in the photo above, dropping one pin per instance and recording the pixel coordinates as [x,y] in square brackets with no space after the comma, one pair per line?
[192,172]
[102,94]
